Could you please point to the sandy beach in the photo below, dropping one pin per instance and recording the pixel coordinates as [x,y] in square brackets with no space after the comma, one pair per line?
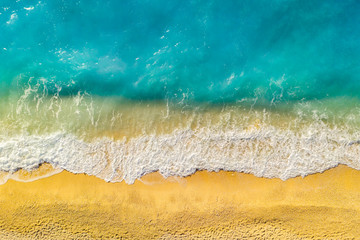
[222,205]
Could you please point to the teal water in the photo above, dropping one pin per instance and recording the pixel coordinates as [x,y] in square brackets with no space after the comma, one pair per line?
[118,89]
[214,51]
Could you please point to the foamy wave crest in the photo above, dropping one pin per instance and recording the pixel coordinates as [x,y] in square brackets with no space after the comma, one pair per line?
[266,152]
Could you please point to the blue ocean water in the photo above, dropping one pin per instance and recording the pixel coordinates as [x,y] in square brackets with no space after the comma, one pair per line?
[119,89]
[200,50]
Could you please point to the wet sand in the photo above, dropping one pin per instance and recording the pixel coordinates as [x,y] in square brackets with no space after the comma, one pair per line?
[221,205]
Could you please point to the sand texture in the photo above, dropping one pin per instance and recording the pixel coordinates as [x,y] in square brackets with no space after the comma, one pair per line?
[221,205]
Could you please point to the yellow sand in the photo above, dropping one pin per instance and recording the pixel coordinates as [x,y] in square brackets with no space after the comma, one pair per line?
[220,205]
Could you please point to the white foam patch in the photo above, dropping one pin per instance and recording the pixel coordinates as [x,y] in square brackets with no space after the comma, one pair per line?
[12,19]
[9,175]
[265,152]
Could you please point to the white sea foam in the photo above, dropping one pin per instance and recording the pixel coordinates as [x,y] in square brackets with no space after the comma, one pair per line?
[9,175]
[12,19]
[266,152]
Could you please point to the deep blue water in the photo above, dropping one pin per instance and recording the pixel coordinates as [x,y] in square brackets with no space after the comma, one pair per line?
[204,50]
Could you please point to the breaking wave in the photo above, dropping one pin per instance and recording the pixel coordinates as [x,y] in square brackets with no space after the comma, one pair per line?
[264,152]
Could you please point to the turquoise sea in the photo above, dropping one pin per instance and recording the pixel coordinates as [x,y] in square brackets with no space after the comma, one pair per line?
[118,89]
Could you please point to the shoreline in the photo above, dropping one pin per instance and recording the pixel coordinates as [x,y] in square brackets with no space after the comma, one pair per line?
[46,170]
[203,205]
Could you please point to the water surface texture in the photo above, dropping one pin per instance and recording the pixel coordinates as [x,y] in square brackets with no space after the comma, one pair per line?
[118,89]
